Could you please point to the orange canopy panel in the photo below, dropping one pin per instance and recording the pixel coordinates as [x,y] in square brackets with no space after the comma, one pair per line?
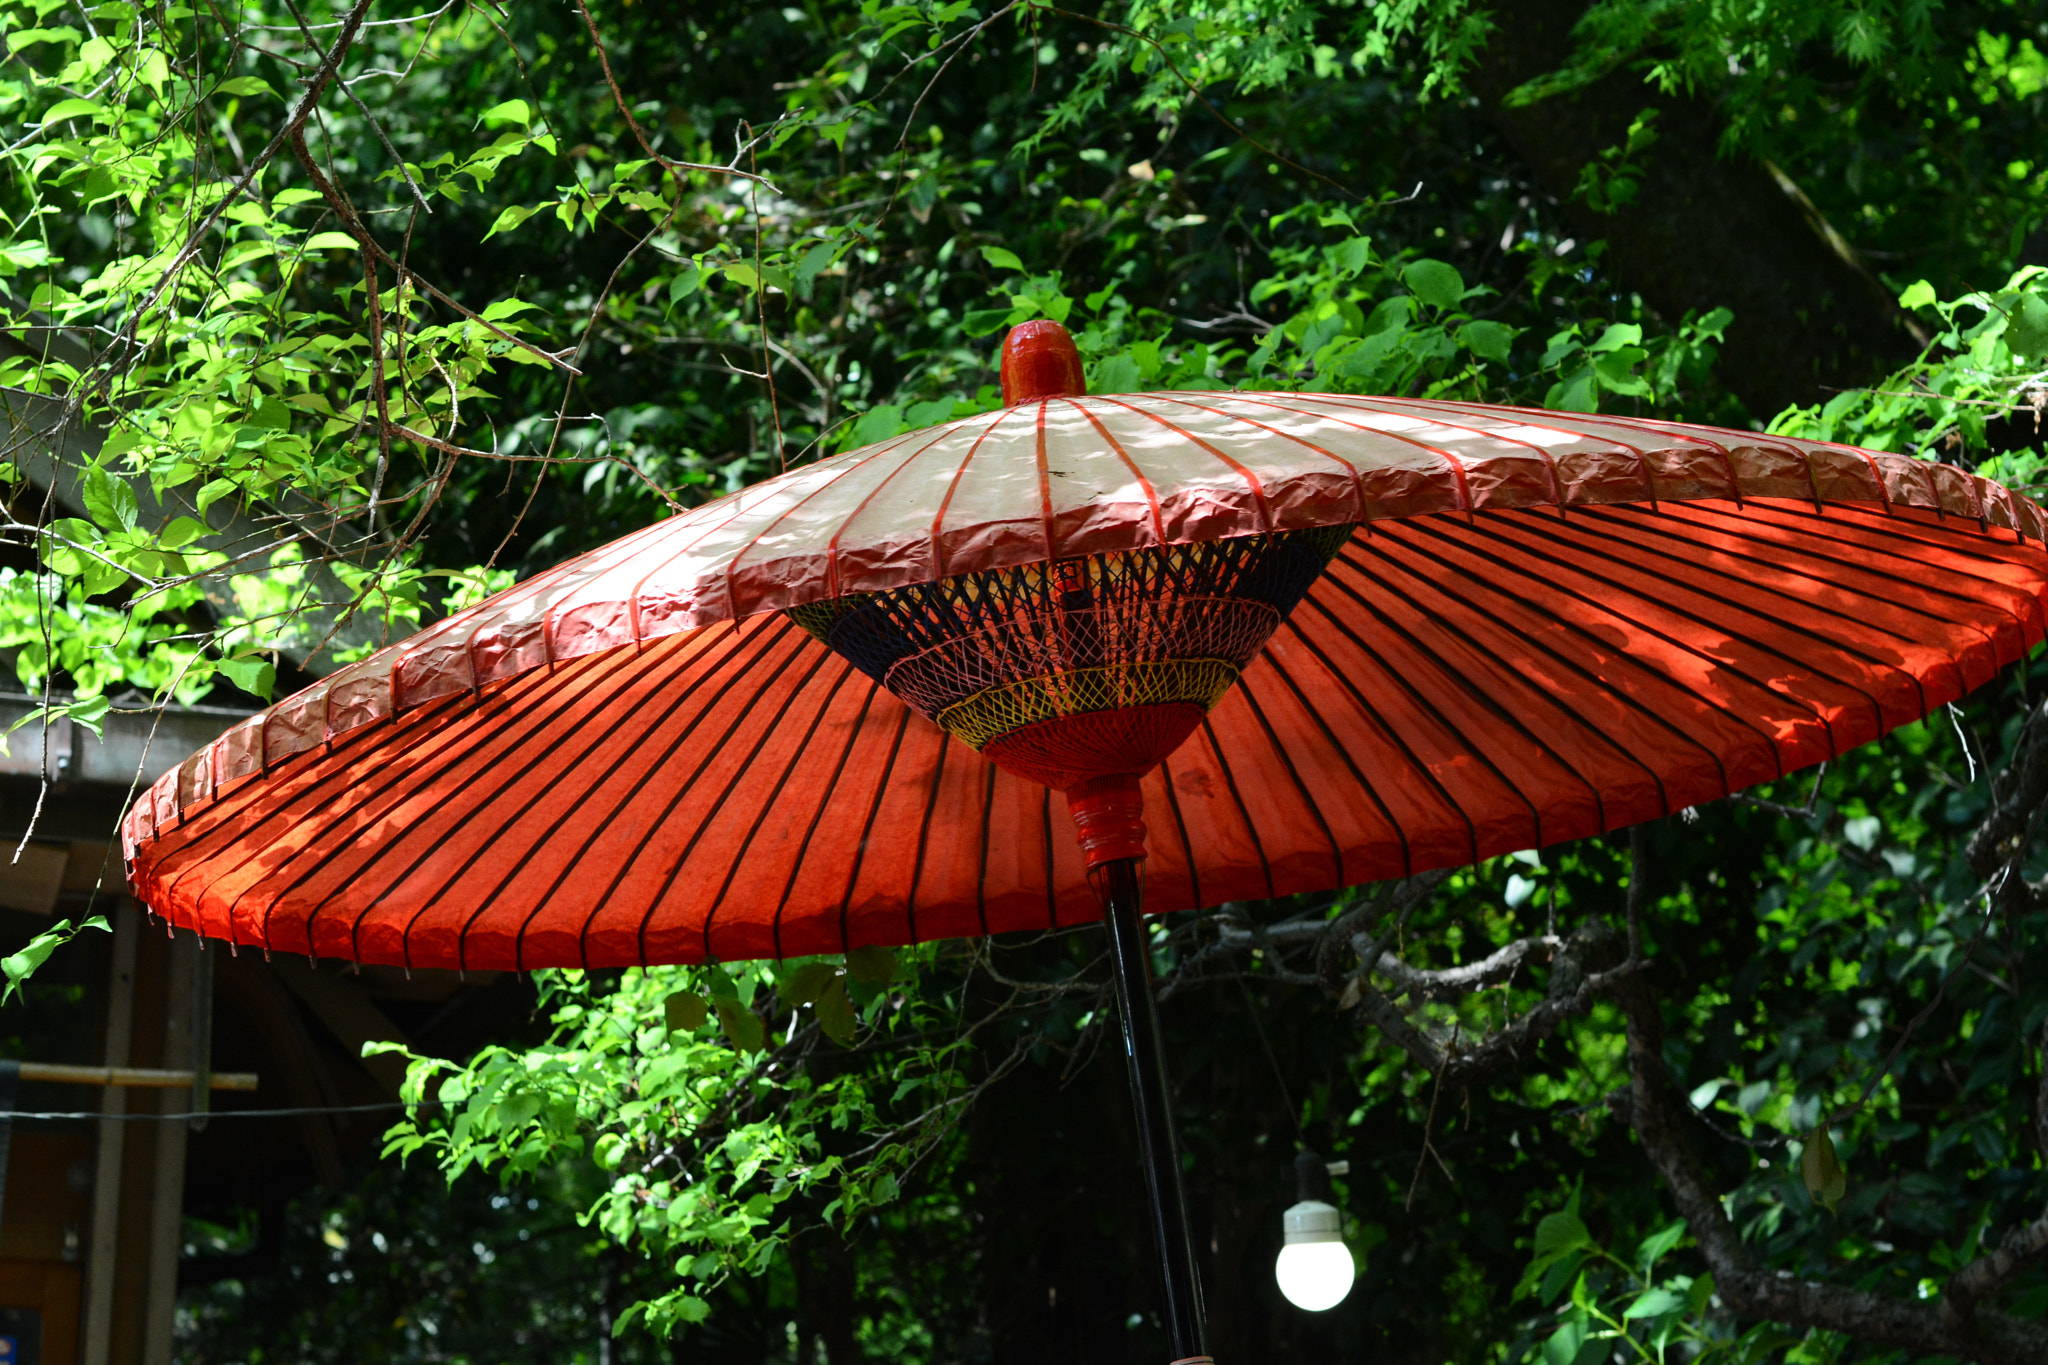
[1545,626]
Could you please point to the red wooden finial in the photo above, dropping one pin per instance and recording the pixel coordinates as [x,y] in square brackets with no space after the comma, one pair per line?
[1039,361]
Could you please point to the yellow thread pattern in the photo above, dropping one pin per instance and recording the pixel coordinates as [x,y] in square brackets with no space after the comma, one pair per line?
[996,711]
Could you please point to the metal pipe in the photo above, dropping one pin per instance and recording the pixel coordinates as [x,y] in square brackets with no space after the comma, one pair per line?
[1121,892]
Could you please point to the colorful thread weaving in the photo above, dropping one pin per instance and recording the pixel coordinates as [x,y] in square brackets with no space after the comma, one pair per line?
[1158,634]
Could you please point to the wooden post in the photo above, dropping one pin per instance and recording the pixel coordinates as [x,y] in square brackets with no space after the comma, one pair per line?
[106,1185]
[167,1189]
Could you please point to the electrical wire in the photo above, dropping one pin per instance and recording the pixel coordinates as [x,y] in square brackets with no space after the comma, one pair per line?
[8,1115]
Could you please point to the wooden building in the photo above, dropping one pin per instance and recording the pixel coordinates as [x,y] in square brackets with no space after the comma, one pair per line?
[104,1216]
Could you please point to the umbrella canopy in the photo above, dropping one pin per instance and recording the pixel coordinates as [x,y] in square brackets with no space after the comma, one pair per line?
[1543,626]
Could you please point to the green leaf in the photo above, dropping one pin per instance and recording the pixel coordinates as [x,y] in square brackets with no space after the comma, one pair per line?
[1659,1242]
[1353,255]
[182,531]
[806,983]
[101,576]
[213,491]
[22,965]
[64,109]
[979,322]
[1434,282]
[878,423]
[331,241]
[1561,1232]
[1561,1273]
[2026,328]
[684,284]
[1001,258]
[1919,294]
[509,219]
[742,1026]
[929,414]
[516,1111]
[511,111]
[685,1012]
[1653,1303]
[500,309]
[1117,374]
[1820,1170]
[1616,371]
[835,1013]
[873,966]
[255,676]
[1563,1346]
[21,40]
[1487,339]
[109,500]
[815,260]
[88,711]
[1617,336]
[244,85]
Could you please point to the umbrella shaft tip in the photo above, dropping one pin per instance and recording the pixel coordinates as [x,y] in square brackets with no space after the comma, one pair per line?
[1040,360]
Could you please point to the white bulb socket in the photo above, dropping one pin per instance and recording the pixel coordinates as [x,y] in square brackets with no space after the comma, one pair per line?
[1315,1269]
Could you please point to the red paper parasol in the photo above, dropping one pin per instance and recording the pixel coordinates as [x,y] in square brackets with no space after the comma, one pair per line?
[1534,626]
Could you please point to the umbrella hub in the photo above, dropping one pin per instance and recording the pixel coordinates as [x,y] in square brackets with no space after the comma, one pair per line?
[1074,670]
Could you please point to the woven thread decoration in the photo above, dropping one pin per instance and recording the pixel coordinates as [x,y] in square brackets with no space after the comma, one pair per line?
[1079,668]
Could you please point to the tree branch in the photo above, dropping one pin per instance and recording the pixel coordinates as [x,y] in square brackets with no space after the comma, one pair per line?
[346,212]
[1944,1329]
[1569,993]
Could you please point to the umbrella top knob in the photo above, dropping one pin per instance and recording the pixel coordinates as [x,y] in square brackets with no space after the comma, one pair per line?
[1040,361]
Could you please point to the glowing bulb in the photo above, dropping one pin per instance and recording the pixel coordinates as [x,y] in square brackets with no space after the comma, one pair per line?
[1314,1268]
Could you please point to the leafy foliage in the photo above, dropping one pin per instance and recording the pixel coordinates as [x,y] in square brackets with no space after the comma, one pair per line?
[667,1078]
[325,323]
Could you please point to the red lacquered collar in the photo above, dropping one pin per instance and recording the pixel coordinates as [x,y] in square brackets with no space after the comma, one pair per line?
[1039,361]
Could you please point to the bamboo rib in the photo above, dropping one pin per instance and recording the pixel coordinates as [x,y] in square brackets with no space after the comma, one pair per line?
[133,1076]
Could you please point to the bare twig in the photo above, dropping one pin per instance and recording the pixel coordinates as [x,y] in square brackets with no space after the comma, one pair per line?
[1196,91]
[674,167]
[354,225]
[284,136]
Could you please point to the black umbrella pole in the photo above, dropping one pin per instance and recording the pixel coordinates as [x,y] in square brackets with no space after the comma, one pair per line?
[1121,890]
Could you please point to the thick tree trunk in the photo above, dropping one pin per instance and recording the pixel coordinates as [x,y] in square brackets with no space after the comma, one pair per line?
[1704,230]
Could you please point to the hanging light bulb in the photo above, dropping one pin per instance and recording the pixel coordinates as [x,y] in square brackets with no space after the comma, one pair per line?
[1315,1268]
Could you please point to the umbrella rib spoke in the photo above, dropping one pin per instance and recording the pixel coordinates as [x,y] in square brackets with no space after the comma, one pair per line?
[625,799]
[571,704]
[924,827]
[1483,696]
[740,774]
[1343,751]
[1498,560]
[734,658]
[853,737]
[1702,586]
[796,760]
[1243,813]
[1423,701]
[1853,557]
[1446,585]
